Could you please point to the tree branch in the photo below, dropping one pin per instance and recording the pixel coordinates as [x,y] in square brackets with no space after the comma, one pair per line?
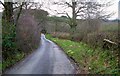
[18,15]
[68,16]
[69,5]
[17,7]
[2,4]
[79,9]
[106,16]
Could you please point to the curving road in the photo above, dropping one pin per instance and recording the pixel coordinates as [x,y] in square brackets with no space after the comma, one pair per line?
[47,59]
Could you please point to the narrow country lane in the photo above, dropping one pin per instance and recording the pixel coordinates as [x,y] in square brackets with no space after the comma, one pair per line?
[47,59]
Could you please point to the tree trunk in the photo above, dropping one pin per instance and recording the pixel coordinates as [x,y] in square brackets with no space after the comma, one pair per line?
[8,12]
[74,24]
[72,32]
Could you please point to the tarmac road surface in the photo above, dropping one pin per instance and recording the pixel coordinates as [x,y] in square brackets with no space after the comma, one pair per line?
[47,59]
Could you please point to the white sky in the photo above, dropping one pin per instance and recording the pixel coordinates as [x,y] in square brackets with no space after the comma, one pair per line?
[113,8]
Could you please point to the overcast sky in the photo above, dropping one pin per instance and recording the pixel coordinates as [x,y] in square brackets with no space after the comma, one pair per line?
[113,8]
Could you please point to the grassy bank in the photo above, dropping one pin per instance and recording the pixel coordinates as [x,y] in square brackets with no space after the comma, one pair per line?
[12,60]
[93,61]
[10,51]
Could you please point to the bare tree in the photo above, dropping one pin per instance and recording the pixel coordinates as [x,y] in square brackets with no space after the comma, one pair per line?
[19,5]
[94,13]
[8,12]
[76,7]
[84,10]
[12,5]
[9,8]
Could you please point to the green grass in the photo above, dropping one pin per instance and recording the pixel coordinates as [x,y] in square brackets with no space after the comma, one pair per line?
[93,61]
[10,50]
[12,60]
[110,27]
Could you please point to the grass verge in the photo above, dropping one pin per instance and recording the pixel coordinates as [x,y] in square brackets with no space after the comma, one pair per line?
[12,60]
[93,61]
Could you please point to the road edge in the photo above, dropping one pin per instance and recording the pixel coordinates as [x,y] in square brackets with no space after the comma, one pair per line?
[72,60]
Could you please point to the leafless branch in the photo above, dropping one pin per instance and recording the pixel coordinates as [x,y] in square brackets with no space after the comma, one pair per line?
[106,16]
[2,3]
[79,9]
[69,5]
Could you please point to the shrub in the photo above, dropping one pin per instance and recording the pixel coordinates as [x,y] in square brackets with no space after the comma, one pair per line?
[61,35]
[10,52]
[96,39]
[28,33]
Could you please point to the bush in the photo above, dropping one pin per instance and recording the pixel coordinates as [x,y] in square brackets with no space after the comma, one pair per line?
[28,33]
[10,50]
[96,39]
[61,35]
[8,39]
